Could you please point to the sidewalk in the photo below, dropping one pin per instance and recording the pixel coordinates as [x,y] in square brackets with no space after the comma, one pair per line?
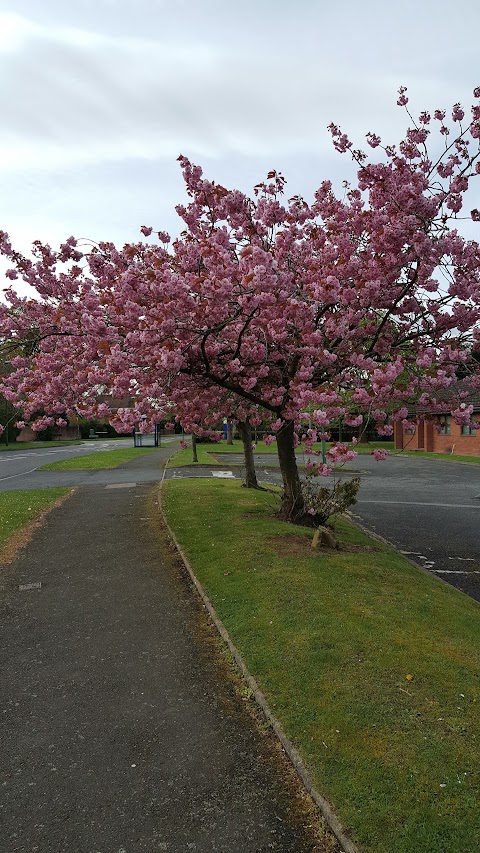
[120,734]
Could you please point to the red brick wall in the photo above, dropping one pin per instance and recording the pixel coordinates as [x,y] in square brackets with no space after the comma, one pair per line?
[463,445]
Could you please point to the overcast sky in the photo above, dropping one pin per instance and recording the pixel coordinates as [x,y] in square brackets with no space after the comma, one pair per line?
[98,98]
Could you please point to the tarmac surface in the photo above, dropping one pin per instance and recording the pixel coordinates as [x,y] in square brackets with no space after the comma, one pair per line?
[123,728]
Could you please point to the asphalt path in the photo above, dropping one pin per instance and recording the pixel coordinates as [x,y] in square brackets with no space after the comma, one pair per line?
[427,508]
[123,728]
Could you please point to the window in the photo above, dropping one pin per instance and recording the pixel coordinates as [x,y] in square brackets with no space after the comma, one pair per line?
[444,421]
[468,430]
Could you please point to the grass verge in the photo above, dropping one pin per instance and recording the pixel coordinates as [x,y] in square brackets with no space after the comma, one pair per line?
[206,452]
[370,665]
[445,457]
[18,509]
[102,459]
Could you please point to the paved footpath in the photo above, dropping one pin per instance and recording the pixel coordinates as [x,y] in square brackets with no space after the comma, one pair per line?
[120,733]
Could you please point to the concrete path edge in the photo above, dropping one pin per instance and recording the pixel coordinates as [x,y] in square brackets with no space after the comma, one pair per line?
[322,804]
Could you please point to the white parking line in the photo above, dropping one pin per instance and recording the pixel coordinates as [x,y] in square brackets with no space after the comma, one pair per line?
[420,503]
[455,572]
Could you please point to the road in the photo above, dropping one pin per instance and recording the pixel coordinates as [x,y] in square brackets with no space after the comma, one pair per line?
[427,508]
[19,469]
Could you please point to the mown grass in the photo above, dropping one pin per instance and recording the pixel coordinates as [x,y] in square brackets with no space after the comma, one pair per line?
[371,666]
[20,508]
[445,457]
[102,459]
[206,453]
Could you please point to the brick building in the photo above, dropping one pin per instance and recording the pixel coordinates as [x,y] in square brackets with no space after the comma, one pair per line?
[436,433]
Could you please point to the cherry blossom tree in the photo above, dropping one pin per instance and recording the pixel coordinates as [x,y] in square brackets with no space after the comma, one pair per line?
[267,308]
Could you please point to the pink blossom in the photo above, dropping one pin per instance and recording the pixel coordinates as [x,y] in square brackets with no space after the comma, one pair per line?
[324,470]
[146,230]
[379,454]
[402,100]
[320,417]
[457,113]
[184,445]
[42,423]
[269,439]
[462,415]
[353,420]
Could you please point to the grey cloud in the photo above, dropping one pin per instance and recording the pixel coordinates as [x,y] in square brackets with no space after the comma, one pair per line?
[71,95]
[268,79]
[100,111]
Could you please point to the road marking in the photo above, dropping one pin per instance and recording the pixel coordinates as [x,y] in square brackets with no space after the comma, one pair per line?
[121,486]
[12,476]
[463,559]
[419,503]
[23,586]
[455,572]
[223,475]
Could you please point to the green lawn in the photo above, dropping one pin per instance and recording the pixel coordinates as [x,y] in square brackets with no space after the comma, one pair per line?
[445,457]
[206,452]
[371,666]
[102,459]
[19,508]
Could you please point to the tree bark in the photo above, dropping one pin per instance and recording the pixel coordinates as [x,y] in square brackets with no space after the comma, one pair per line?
[292,506]
[194,448]
[245,431]
[230,432]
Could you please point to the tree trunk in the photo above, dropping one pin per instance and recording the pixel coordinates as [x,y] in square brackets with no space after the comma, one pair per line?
[292,508]
[194,448]
[245,431]
[230,432]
